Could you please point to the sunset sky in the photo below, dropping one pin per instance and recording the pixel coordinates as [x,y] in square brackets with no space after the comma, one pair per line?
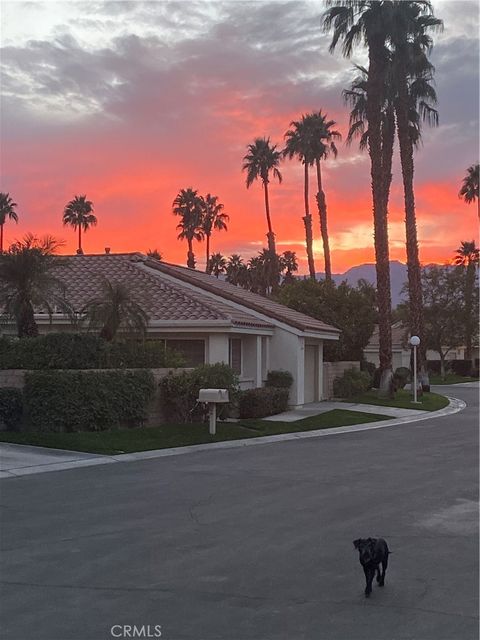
[128,102]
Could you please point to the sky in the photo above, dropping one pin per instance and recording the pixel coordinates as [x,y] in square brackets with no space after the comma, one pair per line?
[129,102]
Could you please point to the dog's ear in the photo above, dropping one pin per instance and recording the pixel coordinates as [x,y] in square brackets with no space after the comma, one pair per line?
[356,543]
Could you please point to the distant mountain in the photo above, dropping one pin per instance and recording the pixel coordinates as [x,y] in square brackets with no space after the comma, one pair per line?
[398,277]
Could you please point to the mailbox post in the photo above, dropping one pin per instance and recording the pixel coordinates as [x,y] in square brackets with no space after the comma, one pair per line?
[212,397]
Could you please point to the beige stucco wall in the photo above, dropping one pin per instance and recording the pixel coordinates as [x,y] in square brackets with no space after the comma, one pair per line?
[332,370]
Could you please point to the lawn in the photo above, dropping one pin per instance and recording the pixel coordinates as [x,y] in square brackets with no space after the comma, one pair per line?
[403,400]
[451,378]
[181,435]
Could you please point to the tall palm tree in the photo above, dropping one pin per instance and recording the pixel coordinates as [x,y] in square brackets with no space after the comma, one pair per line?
[188,205]
[467,257]
[29,282]
[323,145]
[7,210]
[78,214]
[262,160]
[234,268]
[115,310]
[368,22]
[469,190]
[213,218]
[298,143]
[218,264]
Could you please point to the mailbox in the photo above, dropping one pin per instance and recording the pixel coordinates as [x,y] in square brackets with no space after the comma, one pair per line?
[213,395]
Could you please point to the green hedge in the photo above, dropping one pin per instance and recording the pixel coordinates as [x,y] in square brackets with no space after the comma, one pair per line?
[68,401]
[266,401]
[83,351]
[353,382]
[11,408]
[280,379]
[180,392]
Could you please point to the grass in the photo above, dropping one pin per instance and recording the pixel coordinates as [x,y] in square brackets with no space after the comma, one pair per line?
[403,400]
[181,435]
[451,378]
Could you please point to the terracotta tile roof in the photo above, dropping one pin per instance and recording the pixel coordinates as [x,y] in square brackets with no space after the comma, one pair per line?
[238,295]
[161,299]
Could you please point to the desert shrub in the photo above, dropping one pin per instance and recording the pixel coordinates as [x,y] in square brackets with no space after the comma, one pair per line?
[461,367]
[280,379]
[11,408]
[266,401]
[351,383]
[401,377]
[60,401]
[180,392]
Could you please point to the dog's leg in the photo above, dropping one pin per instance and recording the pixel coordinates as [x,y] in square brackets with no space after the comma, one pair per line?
[369,573]
[378,574]
[381,582]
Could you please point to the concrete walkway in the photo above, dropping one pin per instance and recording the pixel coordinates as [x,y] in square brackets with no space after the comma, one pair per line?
[316,408]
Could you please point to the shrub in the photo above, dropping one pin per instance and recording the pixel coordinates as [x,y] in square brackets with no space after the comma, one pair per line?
[461,367]
[180,392]
[401,377]
[352,383]
[87,401]
[377,376]
[11,408]
[279,379]
[83,351]
[259,403]
[368,367]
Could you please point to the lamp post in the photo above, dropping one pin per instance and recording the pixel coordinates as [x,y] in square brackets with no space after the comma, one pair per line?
[415,341]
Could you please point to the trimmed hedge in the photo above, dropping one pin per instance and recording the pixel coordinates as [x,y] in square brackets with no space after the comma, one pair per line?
[461,367]
[11,408]
[353,382]
[280,379]
[83,351]
[262,402]
[69,401]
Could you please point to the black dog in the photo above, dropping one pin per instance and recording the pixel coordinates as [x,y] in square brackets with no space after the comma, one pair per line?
[373,552]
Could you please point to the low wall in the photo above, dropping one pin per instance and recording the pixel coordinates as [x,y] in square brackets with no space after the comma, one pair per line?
[16,378]
[332,370]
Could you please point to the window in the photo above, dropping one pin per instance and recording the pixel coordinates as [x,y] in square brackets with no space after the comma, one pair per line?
[235,357]
[192,350]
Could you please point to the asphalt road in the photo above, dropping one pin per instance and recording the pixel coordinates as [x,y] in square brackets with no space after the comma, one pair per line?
[252,543]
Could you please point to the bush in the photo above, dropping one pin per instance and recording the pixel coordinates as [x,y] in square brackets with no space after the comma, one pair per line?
[11,408]
[377,376]
[368,367]
[83,351]
[180,392]
[259,403]
[352,383]
[401,377]
[61,401]
[279,379]
[461,367]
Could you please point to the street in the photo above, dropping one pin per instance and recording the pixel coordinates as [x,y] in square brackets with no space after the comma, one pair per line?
[253,543]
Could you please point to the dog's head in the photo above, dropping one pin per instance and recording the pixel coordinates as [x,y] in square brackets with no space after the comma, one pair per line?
[366,549]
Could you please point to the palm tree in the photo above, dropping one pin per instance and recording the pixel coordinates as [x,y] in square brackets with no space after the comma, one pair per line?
[28,282]
[115,310]
[234,269]
[218,264]
[369,22]
[323,145]
[78,214]
[261,160]
[469,190]
[467,257]
[188,205]
[289,264]
[213,218]
[7,210]
[298,143]
[155,254]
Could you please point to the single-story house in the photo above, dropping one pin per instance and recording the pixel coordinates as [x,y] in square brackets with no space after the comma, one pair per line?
[207,319]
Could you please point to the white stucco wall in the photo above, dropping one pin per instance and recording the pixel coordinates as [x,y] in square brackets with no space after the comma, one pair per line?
[287,351]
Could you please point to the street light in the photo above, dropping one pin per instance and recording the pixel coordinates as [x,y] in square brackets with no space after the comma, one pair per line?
[415,341]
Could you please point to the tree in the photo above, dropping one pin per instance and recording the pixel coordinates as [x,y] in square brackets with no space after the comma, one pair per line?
[213,218]
[234,269]
[369,22]
[262,160]
[7,210]
[218,264]
[188,205]
[29,283]
[289,264]
[467,259]
[469,190]
[299,144]
[78,214]
[155,254]
[115,310]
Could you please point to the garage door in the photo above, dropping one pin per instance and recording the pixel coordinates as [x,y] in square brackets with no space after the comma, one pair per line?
[310,373]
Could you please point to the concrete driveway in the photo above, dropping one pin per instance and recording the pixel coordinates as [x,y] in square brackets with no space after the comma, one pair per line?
[252,543]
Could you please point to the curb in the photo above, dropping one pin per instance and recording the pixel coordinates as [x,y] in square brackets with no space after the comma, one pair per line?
[455,405]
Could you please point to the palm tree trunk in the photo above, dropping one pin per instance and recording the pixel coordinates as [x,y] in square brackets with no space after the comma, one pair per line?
[322,212]
[25,318]
[207,268]
[469,287]
[307,221]
[190,255]
[1,238]
[374,117]
[80,250]
[270,234]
